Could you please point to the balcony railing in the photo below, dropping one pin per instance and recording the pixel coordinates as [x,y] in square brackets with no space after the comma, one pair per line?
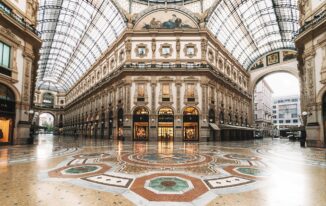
[20,20]
[317,18]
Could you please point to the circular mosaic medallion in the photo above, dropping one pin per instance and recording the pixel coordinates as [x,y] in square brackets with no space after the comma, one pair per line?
[166,160]
[168,185]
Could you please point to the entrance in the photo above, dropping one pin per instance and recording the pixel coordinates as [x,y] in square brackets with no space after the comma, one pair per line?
[165,124]
[190,124]
[211,117]
[7,114]
[110,124]
[141,124]
[120,124]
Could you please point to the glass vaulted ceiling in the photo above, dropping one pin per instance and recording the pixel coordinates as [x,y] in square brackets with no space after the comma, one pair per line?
[74,34]
[252,28]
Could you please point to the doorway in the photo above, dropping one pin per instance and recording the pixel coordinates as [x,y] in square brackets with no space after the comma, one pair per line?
[141,124]
[7,114]
[190,124]
[165,124]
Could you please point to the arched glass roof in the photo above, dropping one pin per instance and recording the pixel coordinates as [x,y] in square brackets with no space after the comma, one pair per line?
[251,28]
[74,33]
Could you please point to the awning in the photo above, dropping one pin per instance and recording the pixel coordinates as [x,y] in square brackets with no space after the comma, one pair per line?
[214,126]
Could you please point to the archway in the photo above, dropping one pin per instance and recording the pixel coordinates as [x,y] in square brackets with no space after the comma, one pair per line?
[213,127]
[110,125]
[276,105]
[7,114]
[46,123]
[140,124]
[120,124]
[190,124]
[165,124]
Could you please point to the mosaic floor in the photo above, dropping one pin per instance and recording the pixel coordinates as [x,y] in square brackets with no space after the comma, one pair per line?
[63,171]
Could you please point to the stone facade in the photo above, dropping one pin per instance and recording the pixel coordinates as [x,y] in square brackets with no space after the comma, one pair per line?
[183,72]
[18,76]
[263,108]
[311,44]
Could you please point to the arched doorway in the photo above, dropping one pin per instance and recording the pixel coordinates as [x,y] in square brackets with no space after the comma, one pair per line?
[141,124]
[213,126]
[110,124]
[46,123]
[190,124]
[7,114]
[276,104]
[120,124]
[165,124]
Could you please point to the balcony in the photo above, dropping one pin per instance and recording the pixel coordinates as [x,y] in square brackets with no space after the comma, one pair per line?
[6,11]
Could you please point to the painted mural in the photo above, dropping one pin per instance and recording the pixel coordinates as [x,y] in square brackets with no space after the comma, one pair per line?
[166,20]
[258,64]
[273,58]
[288,55]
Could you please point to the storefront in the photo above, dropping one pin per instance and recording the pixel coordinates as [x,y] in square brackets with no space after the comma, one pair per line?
[110,125]
[190,124]
[7,114]
[165,124]
[141,124]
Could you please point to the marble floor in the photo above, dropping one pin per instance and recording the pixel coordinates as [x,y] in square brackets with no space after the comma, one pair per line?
[67,171]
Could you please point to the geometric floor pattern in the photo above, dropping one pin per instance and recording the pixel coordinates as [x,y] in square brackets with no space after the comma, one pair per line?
[161,173]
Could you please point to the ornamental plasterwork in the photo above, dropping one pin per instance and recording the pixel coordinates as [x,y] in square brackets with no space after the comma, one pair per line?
[141,50]
[211,56]
[161,50]
[121,55]
[190,53]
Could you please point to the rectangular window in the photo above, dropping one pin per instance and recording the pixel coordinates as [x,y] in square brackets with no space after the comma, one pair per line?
[4,55]
[280,121]
[274,121]
[166,90]
[141,90]
[295,121]
[141,51]
[190,91]
[190,50]
[287,121]
[165,50]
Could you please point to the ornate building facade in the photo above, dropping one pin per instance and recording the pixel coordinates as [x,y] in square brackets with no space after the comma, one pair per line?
[311,44]
[19,47]
[165,78]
